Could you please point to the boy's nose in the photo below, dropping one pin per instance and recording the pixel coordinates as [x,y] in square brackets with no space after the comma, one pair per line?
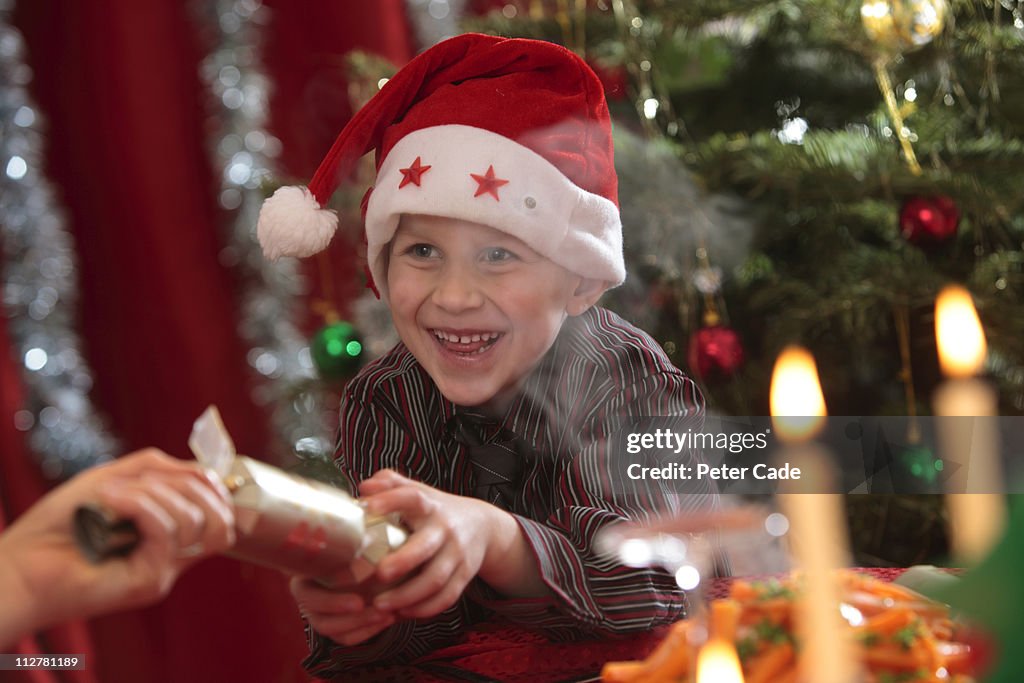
[457,290]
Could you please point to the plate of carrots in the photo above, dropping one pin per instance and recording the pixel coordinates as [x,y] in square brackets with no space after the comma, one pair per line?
[901,636]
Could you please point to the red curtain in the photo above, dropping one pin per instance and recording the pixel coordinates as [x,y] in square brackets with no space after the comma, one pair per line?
[310,105]
[126,145]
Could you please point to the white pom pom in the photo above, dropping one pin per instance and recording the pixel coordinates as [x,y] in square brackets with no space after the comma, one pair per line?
[291,223]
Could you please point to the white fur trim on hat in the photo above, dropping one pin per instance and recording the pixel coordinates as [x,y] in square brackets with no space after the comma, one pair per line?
[292,223]
[576,229]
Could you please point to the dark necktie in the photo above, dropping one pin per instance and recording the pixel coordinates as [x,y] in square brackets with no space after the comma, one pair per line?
[497,461]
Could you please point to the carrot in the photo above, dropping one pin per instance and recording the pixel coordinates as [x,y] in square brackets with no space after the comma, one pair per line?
[777,610]
[882,589]
[770,663]
[889,656]
[723,618]
[887,622]
[934,658]
[742,590]
[868,604]
[622,672]
[671,658]
[924,655]
[790,675]
[942,628]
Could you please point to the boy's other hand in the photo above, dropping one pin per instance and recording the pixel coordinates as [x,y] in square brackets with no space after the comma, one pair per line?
[338,607]
[450,538]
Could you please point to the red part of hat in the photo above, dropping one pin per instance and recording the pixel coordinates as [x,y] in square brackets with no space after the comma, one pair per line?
[538,94]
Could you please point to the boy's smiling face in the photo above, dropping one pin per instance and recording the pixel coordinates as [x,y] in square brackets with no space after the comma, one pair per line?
[476,306]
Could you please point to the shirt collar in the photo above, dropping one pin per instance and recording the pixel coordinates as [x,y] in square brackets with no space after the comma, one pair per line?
[528,414]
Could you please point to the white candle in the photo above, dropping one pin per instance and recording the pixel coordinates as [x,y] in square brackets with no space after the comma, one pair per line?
[968,443]
[817,524]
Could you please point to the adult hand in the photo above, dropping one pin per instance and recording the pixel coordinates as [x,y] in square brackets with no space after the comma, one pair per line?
[182,514]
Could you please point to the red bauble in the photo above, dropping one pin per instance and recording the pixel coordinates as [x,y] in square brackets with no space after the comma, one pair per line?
[715,350]
[929,220]
[983,652]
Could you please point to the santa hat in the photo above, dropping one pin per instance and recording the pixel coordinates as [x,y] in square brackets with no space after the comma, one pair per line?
[510,133]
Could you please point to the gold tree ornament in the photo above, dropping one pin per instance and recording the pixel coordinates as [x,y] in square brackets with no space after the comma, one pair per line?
[898,26]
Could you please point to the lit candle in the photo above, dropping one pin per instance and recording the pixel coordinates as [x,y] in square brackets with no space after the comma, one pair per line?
[717,662]
[969,446]
[817,525]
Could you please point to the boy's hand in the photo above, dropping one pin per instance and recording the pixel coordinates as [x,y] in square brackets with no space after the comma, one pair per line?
[340,611]
[451,537]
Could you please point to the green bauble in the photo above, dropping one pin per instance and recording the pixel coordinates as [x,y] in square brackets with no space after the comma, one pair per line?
[918,470]
[337,351]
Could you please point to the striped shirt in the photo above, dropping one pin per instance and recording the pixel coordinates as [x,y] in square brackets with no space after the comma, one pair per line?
[600,375]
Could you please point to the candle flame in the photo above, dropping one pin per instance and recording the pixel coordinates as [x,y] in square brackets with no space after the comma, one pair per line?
[797,404]
[958,333]
[717,662]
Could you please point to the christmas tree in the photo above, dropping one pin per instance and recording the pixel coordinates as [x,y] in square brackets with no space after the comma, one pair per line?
[811,172]
[814,172]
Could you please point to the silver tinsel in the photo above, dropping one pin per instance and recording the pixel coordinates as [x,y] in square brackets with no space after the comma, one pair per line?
[271,292]
[65,433]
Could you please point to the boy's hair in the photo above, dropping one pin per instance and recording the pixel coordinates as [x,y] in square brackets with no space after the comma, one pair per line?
[510,133]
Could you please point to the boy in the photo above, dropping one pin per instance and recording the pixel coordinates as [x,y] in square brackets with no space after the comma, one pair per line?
[492,231]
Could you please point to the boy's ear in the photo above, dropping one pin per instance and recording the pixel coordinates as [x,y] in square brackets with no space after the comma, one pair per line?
[588,291]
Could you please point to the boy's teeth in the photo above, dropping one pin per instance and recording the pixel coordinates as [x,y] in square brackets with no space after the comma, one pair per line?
[467,339]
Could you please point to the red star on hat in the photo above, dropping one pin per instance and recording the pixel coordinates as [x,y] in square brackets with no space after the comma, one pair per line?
[488,183]
[412,174]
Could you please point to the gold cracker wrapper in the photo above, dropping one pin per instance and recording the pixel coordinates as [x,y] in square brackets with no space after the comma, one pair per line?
[302,526]
[291,523]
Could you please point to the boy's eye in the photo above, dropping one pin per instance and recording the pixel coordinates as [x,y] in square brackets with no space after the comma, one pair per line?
[498,254]
[422,250]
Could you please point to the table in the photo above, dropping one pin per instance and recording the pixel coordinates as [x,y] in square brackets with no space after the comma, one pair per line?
[499,652]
